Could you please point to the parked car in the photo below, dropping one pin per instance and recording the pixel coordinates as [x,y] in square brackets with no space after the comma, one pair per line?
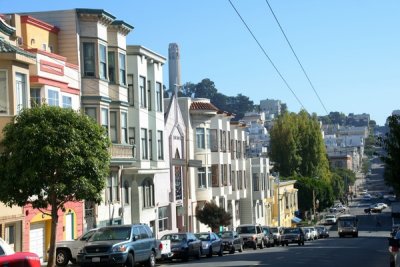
[268,237]
[338,208]
[231,241]
[120,245]
[252,235]
[276,231]
[292,235]
[10,258]
[210,244]
[323,232]
[314,232]
[330,219]
[308,235]
[68,250]
[183,246]
[394,245]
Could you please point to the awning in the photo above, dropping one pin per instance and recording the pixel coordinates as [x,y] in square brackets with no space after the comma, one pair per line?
[296,219]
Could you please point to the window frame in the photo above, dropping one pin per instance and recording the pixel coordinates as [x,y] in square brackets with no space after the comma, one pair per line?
[89,59]
[160,145]
[142,90]
[103,70]
[4,93]
[122,68]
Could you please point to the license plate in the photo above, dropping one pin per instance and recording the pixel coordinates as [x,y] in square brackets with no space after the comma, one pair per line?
[96,259]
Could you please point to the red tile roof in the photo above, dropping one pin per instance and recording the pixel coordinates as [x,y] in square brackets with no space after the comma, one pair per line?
[203,106]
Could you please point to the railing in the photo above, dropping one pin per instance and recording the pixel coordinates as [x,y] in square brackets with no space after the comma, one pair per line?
[123,151]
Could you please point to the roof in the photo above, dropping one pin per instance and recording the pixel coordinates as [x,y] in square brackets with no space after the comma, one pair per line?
[7,47]
[203,106]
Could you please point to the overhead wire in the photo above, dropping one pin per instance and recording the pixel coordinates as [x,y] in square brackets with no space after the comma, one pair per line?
[297,58]
[267,56]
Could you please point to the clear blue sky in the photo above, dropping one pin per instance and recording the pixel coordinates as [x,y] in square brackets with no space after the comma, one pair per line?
[349,48]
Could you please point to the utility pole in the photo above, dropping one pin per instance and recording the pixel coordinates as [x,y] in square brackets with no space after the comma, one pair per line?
[279,200]
[313,197]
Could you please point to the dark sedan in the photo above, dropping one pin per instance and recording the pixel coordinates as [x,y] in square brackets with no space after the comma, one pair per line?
[231,241]
[211,244]
[323,232]
[184,245]
[268,237]
[292,235]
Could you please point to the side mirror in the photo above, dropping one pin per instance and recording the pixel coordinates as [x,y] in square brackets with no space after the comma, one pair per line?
[136,237]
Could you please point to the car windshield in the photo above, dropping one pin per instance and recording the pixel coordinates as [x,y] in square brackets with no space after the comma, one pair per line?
[203,236]
[291,231]
[117,233]
[175,238]
[226,234]
[246,230]
[274,230]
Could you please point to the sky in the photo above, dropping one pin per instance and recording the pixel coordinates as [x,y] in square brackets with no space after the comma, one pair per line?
[350,49]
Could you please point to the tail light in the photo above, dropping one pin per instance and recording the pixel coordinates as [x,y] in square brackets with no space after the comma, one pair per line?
[394,248]
[160,247]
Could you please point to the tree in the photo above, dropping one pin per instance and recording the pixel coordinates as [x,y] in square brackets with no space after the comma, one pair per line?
[50,156]
[213,216]
[390,142]
[297,146]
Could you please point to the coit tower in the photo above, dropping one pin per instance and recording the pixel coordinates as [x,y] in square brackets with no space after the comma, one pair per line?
[174,66]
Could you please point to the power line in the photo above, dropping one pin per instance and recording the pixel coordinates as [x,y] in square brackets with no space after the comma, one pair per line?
[297,58]
[266,55]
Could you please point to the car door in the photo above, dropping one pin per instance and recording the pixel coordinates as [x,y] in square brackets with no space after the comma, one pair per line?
[138,244]
[216,242]
[192,244]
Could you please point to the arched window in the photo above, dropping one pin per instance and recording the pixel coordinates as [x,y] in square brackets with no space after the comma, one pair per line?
[148,193]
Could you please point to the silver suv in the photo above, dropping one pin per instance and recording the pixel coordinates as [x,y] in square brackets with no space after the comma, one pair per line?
[252,235]
[120,245]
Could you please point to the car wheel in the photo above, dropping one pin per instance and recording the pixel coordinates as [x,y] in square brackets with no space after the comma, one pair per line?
[198,254]
[130,261]
[262,244]
[151,262]
[255,245]
[241,248]
[62,257]
[221,251]
[210,253]
[287,244]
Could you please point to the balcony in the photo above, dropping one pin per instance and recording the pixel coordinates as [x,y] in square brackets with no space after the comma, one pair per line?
[122,153]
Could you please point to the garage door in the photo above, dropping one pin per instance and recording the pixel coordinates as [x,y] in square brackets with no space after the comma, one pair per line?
[36,239]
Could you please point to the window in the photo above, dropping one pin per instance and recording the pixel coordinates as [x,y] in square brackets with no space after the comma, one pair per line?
[163,218]
[148,193]
[91,112]
[126,192]
[3,92]
[209,176]
[160,145]
[113,127]
[104,119]
[233,179]
[102,61]
[66,101]
[53,98]
[111,66]
[115,186]
[35,97]
[9,232]
[142,86]
[21,93]
[215,175]
[149,94]
[132,140]
[124,127]
[122,69]
[88,59]
[200,138]
[256,182]
[214,140]
[131,97]
[208,138]
[109,190]
[159,96]
[143,148]
[151,144]
[201,178]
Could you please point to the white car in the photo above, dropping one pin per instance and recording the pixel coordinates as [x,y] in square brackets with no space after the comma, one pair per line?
[338,208]
[330,219]
[307,234]
[67,251]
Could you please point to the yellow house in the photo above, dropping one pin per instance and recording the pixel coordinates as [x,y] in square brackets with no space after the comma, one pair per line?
[285,204]
[14,86]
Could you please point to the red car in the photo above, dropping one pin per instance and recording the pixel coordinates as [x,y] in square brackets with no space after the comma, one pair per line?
[10,258]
